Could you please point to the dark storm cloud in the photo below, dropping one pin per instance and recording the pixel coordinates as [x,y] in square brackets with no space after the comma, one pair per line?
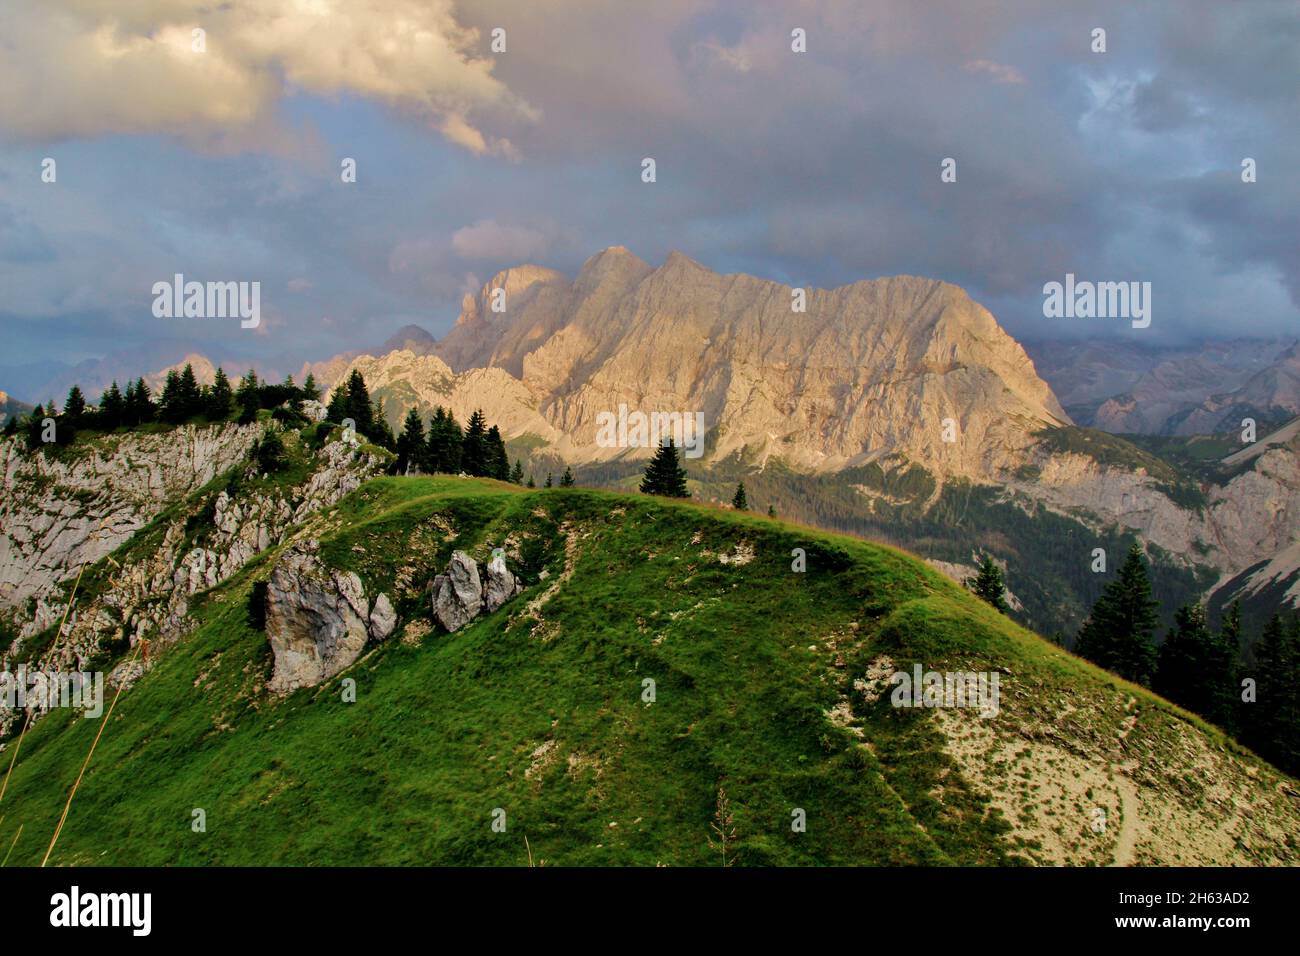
[816,168]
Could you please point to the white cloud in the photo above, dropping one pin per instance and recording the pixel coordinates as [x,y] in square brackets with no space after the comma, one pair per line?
[82,68]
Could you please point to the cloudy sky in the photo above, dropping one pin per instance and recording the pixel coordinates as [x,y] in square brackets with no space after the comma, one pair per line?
[814,168]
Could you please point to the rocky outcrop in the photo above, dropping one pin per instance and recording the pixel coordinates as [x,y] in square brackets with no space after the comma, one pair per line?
[500,586]
[383,618]
[318,619]
[457,593]
[64,512]
[460,593]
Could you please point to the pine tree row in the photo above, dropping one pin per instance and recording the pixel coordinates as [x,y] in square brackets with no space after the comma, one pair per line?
[181,400]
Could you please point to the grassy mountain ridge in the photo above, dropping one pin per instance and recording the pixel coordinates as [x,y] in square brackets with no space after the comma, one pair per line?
[764,693]
[1048,553]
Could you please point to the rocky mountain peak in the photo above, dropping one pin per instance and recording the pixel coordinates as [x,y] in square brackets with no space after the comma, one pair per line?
[615,262]
[876,368]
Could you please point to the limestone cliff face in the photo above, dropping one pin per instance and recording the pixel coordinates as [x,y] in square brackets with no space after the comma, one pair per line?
[871,369]
[903,366]
[485,337]
[1247,519]
[63,515]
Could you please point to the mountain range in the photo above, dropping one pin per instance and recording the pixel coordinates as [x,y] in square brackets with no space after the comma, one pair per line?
[894,407]
[1129,388]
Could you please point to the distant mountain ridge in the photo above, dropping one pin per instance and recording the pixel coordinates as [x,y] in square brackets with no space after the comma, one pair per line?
[1129,388]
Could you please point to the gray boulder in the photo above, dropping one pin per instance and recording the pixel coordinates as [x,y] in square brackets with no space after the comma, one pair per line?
[458,593]
[383,618]
[501,584]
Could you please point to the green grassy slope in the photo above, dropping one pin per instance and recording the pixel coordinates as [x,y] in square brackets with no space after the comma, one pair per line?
[540,713]
[897,505]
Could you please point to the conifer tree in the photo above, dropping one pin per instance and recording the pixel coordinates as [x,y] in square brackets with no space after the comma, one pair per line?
[738,500]
[188,393]
[111,408]
[1118,632]
[220,397]
[35,426]
[549,482]
[1195,667]
[444,443]
[434,456]
[989,586]
[310,390]
[455,444]
[246,393]
[474,448]
[169,400]
[140,408]
[289,386]
[665,475]
[566,479]
[380,432]
[1271,722]
[128,404]
[517,473]
[411,443]
[531,483]
[498,461]
[337,409]
[269,453]
[74,409]
[248,396]
[1230,627]
[357,404]
[771,511]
